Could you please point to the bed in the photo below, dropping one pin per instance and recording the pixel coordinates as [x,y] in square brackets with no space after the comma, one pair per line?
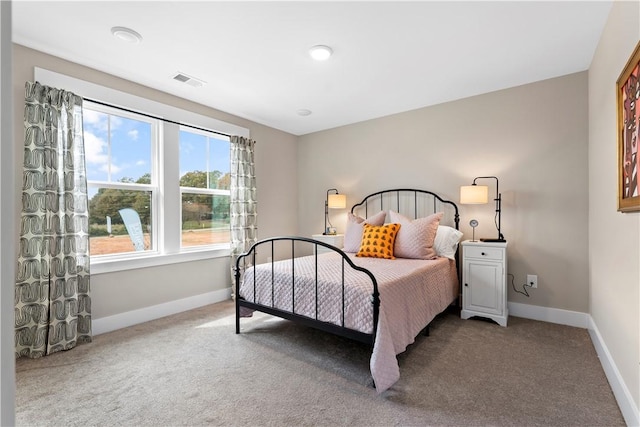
[383,302]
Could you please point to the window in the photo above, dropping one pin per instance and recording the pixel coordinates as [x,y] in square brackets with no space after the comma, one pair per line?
[136,162]
[120,153]
[204,188]
[126,201]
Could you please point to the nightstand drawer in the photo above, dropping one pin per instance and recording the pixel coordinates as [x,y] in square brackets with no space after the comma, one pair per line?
[483,253]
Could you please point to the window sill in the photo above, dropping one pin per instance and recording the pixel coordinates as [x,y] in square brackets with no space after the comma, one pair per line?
[154,260]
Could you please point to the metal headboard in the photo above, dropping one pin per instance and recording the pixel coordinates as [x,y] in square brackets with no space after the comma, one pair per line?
[403,200]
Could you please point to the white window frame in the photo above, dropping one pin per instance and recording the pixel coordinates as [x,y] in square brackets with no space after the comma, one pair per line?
[154,187]
[167,246]
[204,191]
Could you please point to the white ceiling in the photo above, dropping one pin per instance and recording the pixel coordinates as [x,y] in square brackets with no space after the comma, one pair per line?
[388,57]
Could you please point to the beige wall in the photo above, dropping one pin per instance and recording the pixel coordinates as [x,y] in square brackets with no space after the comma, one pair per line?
[533,138]
[120,292]
[614,237]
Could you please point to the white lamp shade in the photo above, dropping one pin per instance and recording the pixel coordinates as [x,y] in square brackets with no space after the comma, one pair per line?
[337,201]
[474,194]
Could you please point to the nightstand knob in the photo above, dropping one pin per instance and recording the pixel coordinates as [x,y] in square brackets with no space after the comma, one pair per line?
[483,254]
[466,284]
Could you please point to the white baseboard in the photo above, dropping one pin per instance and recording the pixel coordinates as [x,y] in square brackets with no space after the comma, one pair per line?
[583,320]
[553,315]
[620,390]
[548,314]
[130,318]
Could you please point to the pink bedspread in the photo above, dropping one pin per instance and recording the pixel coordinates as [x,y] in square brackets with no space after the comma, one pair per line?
[412,293]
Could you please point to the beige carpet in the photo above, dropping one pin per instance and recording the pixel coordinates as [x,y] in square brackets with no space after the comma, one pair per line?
[192,369]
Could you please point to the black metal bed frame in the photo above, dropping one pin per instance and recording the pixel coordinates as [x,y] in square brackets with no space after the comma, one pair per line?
[313,322]
[341,330]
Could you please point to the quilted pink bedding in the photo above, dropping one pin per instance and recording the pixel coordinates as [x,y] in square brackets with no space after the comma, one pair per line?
[412,293]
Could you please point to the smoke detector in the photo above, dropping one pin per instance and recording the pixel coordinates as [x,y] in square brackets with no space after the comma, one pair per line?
[126,34]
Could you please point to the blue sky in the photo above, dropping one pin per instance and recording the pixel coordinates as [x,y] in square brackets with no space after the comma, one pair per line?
[128,152]
[196,154]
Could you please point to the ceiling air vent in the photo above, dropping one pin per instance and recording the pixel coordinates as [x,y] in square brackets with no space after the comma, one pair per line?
[191,81]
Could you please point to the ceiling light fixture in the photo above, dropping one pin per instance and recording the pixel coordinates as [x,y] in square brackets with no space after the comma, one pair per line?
[304,112]
[126,34]
[320,52]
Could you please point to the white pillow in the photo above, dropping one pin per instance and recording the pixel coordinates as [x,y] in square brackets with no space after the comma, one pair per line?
[446,241]
[416,237]
[355,226]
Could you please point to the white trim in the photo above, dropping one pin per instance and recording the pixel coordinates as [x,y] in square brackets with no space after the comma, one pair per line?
[112,264]
[584,320]
[548,314]
[130,318]
[620,390]
[133,102]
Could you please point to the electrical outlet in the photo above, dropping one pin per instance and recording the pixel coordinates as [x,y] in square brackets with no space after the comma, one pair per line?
[532,280]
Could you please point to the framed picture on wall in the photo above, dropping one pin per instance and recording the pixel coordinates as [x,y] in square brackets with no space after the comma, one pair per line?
[628,97]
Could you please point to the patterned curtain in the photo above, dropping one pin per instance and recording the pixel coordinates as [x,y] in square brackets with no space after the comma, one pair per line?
[244,205]
[53,308]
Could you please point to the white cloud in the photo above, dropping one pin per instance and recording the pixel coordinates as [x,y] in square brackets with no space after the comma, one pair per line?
[95,149]
[114,169]
[99,120]
[93,117]
[133,134]
[95,153]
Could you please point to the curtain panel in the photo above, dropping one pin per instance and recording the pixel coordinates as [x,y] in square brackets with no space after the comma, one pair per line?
[243,203]
[52,302]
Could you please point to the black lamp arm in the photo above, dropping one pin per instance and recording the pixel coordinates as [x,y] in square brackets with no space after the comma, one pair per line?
[498,201]
[326,210]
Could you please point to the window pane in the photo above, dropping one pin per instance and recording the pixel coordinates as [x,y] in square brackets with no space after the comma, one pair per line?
[117,149]
[130,150]
[204,161]
[96,144]
[120,221]
[205,219]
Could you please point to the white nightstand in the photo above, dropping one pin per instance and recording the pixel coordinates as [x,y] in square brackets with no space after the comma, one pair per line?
[336,240]
[484,281]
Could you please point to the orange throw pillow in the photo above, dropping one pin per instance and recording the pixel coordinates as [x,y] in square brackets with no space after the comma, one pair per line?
[378,240]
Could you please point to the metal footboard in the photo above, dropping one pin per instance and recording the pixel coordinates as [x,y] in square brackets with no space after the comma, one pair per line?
[248,259]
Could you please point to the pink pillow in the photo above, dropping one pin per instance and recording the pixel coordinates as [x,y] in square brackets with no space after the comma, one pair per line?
[355,226]
[415,238]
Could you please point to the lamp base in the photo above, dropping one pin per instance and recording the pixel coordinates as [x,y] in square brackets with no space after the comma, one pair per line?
[489,240]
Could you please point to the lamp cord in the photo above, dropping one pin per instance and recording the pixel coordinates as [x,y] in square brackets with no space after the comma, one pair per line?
[328,220]
[495,221]
[524,287]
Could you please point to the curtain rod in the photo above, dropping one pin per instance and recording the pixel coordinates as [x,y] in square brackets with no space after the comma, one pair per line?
[155,117]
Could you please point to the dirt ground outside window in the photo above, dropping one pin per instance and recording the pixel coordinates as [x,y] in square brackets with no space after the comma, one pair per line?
[105,245]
